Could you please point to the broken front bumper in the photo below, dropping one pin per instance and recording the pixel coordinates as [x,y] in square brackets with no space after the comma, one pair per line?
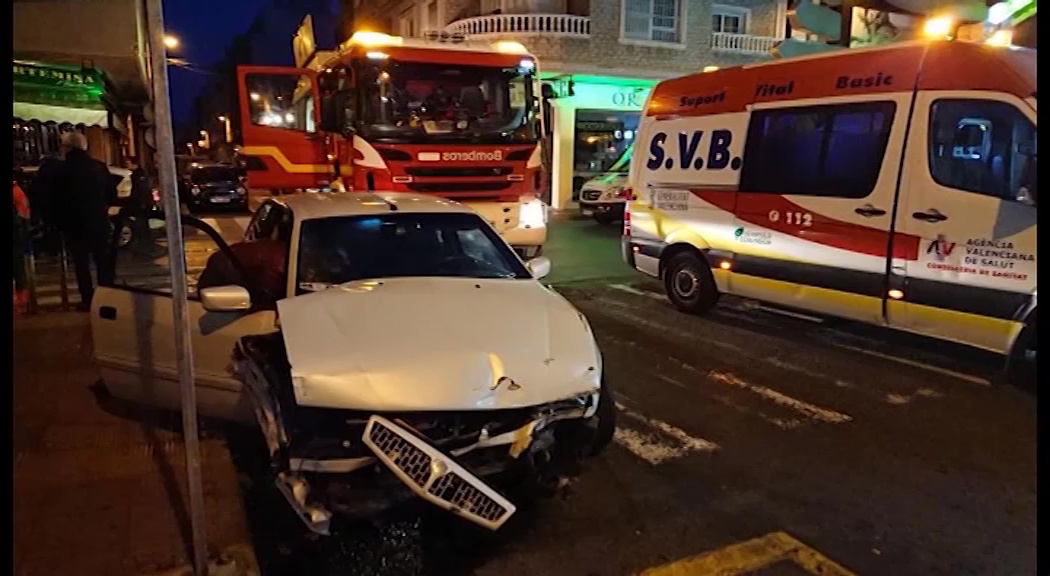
[339,461]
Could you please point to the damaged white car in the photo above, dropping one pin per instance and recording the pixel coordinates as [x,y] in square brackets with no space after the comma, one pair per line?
[410,351]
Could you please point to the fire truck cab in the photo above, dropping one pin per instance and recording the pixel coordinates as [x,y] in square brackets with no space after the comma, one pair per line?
[894,186]
[441,116]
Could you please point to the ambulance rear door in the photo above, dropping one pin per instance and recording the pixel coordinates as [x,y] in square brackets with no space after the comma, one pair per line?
[968,213]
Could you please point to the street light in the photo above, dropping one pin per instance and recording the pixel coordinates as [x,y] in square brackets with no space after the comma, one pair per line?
[940,27]
[171,42]
[226,124]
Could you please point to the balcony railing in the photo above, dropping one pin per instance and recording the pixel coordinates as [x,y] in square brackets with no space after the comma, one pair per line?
[742,43]
[562,25]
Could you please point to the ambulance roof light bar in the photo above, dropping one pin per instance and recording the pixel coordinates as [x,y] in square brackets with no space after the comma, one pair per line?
[375,39]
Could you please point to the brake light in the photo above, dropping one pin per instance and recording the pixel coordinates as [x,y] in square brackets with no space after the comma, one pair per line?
[627,194]
[156,195]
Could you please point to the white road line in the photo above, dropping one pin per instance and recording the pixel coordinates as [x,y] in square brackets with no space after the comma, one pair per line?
[684,335]
[804,408]
[637,292]
[653,449]
[788,313]
[916,364]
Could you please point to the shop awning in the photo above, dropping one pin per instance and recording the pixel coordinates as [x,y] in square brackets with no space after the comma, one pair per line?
[61,114]
[58,93]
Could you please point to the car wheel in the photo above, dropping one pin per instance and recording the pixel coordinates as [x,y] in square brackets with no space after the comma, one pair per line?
[604,421]
[689,284]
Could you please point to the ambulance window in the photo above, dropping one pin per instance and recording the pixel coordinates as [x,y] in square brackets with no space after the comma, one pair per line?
[982,146]
[833,151]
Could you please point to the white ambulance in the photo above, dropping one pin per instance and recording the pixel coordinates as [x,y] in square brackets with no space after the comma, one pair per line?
[893,185]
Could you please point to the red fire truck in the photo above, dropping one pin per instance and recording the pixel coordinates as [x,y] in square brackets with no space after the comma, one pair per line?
[439,116]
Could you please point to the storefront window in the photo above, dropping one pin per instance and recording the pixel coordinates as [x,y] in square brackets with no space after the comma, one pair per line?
[603,144]
[33,140]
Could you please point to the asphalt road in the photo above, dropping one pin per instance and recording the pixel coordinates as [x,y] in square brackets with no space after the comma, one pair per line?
[880,452]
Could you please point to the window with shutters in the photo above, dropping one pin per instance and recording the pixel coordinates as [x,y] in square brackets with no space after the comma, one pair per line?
[651,21]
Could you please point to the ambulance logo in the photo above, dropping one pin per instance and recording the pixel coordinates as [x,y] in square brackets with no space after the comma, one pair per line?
[941,248]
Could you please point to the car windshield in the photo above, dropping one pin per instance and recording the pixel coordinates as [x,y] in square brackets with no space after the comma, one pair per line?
[213,174]
[343,249]
[427,103]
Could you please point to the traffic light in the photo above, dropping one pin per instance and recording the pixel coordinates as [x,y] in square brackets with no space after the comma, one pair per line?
[823,20]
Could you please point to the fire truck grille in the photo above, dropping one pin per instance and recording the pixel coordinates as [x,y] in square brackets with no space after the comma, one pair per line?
[472,172]
[434,188]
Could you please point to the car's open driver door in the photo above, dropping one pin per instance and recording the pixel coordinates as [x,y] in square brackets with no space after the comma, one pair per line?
[283,146]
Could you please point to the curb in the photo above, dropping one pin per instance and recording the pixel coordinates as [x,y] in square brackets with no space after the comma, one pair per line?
[236,560]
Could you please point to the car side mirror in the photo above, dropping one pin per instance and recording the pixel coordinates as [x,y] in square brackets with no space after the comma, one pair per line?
[539,267]
[229,298]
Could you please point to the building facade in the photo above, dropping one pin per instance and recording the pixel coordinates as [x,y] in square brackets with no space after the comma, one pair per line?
[81,65]
[599,57]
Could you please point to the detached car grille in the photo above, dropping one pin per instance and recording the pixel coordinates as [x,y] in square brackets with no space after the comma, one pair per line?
[434,476]
[590,195]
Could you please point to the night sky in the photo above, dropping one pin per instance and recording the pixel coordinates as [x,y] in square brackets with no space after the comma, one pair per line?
[205,28]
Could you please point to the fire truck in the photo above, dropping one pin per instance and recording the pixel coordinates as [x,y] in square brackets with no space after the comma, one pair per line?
[437,115]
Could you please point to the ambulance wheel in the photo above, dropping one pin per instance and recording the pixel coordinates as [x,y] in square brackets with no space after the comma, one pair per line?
[689,284]
[1021,366]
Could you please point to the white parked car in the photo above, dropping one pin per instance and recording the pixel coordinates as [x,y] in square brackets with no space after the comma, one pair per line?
[602,197]
[413,352]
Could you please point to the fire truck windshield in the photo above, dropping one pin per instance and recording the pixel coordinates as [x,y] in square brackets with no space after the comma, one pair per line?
[426,103]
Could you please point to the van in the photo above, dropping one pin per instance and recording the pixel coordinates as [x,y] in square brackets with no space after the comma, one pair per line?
[894,186]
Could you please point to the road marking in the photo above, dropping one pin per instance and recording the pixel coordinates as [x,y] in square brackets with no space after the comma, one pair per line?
[637,292]
[916,364]
[750,305]
[899,399]
[805,408]
[615,308]
[650,447]
[750,556]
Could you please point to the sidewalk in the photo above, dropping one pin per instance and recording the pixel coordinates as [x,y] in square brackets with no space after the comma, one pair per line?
[100,488]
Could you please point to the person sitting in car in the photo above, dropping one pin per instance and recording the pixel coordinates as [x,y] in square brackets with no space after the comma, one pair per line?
[264,266]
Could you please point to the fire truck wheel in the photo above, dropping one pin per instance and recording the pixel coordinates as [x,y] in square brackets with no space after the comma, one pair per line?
[689,284]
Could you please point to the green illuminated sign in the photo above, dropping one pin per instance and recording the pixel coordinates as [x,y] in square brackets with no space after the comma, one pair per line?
[38,83]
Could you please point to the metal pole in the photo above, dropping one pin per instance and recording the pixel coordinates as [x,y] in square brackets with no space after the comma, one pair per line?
[165,141]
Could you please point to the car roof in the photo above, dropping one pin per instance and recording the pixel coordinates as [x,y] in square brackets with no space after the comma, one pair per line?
[114,170]
[312,205]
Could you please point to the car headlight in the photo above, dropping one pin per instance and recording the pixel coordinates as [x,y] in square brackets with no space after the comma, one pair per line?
[241,191]
[195,190]
[533,214]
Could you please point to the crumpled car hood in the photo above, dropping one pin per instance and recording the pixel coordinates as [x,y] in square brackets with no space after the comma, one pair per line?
[421,344]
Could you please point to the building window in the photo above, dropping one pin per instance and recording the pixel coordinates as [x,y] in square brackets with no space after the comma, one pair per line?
[729,19]
[832,150]
[982,146]
[652,20]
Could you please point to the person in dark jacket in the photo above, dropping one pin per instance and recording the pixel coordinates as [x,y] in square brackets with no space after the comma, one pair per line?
[140,203]
[83,192]
[41,193]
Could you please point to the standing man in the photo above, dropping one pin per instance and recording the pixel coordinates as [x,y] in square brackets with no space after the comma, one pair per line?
[82,196]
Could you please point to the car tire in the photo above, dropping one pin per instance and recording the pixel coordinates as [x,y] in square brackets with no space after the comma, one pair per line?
[689,284]
[605,424]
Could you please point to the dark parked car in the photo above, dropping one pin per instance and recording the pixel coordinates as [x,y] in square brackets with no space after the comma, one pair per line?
[212,187]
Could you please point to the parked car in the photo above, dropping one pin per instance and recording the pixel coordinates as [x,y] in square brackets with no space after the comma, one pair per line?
[602,197]
[213,186]
[412,353]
